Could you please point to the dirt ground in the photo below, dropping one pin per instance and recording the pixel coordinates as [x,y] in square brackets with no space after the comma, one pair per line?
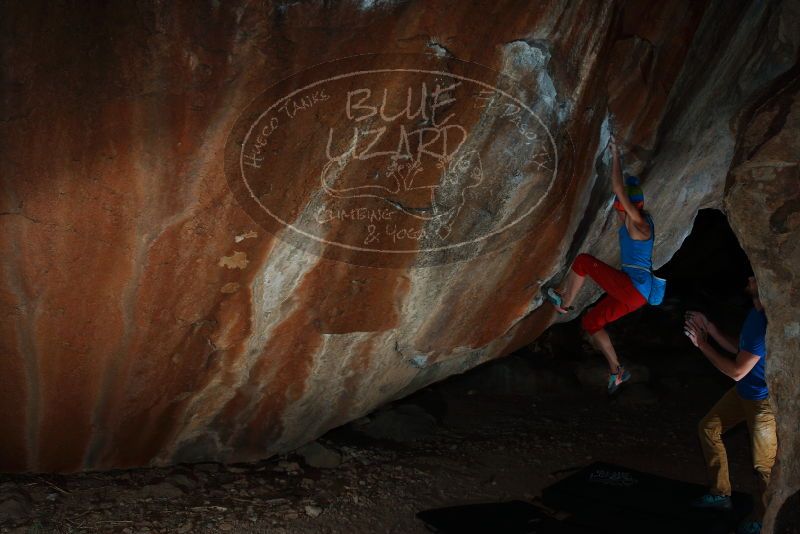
[501,432]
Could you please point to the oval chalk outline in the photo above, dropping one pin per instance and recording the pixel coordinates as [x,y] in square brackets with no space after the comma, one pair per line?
[375,71]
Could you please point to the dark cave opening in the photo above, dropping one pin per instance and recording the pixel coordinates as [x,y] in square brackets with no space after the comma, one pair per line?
[710,269]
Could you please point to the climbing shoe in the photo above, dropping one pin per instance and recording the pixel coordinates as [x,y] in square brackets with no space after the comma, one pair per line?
[750,527]
[554,298]
[717,502]
[615,380]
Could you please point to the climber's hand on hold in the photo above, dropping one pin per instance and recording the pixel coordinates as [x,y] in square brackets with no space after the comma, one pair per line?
[612,144]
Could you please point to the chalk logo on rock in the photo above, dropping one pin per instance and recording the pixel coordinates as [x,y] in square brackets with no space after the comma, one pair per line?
[391,160]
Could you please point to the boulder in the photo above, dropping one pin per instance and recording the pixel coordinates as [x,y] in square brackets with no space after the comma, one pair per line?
[762,201]
[317,455]
[201,260]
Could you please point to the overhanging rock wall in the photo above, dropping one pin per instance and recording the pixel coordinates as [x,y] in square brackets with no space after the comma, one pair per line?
[154,314]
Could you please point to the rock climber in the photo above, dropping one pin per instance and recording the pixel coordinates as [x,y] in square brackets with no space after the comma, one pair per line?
[747,401]
[627,289]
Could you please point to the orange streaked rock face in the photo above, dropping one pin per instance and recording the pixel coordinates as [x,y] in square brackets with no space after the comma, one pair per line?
[151,316]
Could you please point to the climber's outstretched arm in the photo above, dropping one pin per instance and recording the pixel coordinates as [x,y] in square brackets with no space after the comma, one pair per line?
[619,189]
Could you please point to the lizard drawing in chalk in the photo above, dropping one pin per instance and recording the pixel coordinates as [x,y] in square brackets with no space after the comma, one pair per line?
[461,171]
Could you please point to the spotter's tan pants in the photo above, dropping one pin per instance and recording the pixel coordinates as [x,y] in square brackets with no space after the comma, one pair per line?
[728,412]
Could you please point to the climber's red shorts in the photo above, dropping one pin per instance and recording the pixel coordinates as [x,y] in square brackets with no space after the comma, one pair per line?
[621,296]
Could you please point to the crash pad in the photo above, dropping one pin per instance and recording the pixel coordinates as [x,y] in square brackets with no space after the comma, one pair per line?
[614,498]
[511,517]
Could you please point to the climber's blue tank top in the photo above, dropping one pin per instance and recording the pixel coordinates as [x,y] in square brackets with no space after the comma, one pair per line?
[638,253]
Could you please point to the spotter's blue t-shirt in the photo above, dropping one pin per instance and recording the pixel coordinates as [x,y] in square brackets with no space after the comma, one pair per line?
[753,340]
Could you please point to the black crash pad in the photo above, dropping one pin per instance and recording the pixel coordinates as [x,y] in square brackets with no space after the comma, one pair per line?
[612,498]
[512,517]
